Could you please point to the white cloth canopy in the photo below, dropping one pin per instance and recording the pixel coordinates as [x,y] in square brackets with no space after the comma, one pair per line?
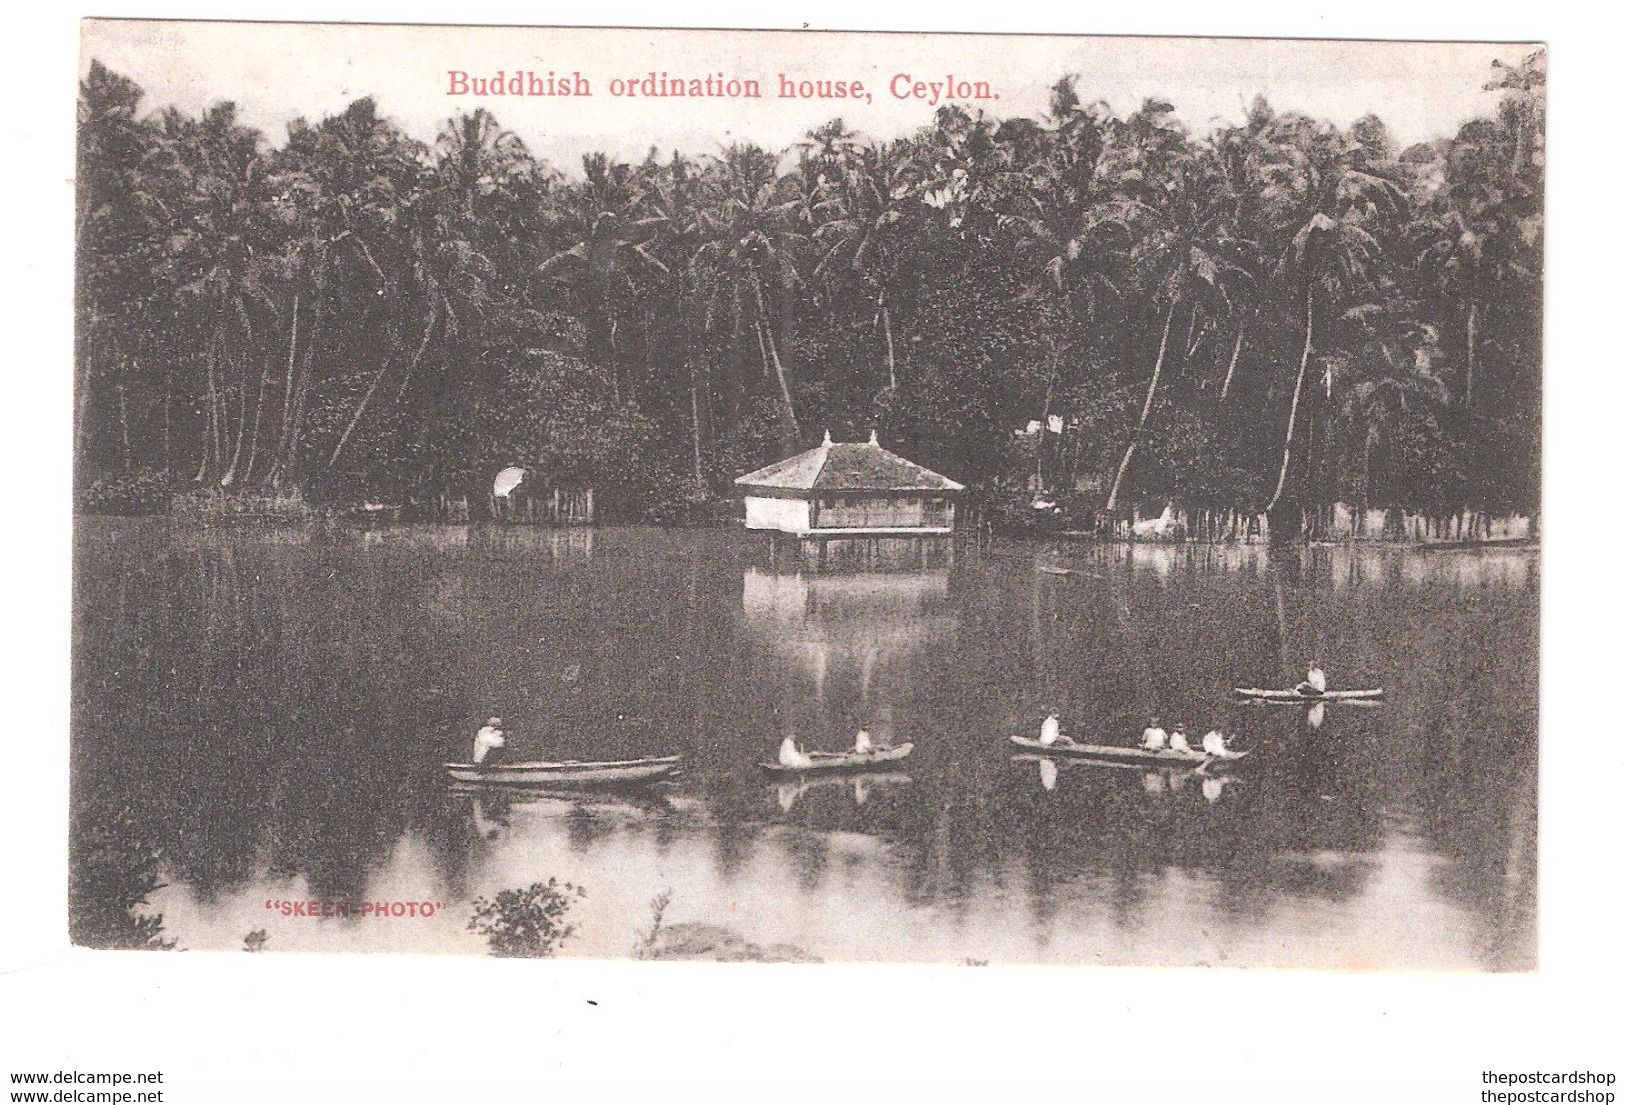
[506,481]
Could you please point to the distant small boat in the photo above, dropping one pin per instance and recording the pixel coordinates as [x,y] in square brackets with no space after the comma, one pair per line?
[1486,543]
[567,772]
[1118,754]
[843,761]
[1260,695]
[1055,570]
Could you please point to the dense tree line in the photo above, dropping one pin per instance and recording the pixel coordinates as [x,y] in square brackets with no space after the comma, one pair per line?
[1271,316]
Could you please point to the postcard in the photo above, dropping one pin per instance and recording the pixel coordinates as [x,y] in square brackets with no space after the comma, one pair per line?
[807,497]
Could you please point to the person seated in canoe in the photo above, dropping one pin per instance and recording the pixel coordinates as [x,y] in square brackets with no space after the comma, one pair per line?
[1154,739]
[792,756]
[864,745]
[1178,741]
[1213,744]
[1050,731]
[1315,682]
[488,743]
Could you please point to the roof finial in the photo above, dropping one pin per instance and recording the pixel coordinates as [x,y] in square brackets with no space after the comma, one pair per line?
[874,436]
[827,439]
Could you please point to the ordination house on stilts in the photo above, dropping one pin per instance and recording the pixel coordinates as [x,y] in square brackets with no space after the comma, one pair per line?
[849,490]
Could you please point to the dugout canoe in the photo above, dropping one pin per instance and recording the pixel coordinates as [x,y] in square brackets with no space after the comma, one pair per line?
[1118,754]
[825,762]
[1257,694]
[567,772]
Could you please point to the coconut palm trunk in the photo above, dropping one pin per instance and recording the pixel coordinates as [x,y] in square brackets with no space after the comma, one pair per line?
[1365,473]
[764,336]
[685,323]
[361,408]
[1297,393]
[293,419]
[1472,351]
[694,423]
[259,409]
[1235,355]
[124,421]
[1049,398]
[168,431]
[230,475]
[83,366]
[891,351]
[211,427]
[1145,410]
[287,390]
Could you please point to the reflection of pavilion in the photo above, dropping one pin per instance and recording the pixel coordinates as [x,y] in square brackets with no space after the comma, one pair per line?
[846,642]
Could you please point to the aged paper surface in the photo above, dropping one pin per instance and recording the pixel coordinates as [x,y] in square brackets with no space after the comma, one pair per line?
[275,657]
[617,493]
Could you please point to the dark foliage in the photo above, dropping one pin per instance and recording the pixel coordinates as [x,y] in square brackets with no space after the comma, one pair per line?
[1279,312]
[527,922]
[112,873]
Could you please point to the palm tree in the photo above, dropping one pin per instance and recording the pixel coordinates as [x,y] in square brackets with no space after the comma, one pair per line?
[1240,158]
[1186,251]
[612,247]
[1471,234]
[749,244]
[1387,381]
[1067,216]
[126,183]
[255,314]
[213,264]
[1522,112]
[479,170]
[1327,193]
[676,199]
[831,148]
[343,188]
[869,205]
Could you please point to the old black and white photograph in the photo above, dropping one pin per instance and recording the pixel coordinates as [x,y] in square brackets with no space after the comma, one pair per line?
[807,498]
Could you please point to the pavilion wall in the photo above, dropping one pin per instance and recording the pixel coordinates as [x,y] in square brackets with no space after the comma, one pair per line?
[786,515]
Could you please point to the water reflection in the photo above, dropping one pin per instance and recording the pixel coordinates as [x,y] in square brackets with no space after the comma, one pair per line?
[271,705]
[845,643]
[856,788]
[1157,784]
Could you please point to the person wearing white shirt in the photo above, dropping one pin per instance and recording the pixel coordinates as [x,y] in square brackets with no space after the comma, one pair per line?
[1178,742]
[1050,731]
[1154,739]
[1315,683]
[1213,744]
[487,741]
[861,744]
[791,756]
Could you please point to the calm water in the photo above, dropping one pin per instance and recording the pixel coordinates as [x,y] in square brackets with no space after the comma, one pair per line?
[272,708]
